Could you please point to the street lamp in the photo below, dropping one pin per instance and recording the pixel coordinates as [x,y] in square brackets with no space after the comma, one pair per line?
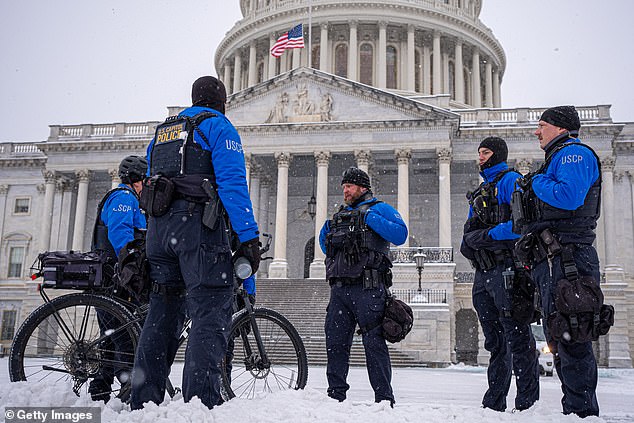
[419,258]
[312,207]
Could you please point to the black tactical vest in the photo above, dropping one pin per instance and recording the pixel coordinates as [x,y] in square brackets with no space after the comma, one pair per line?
[100,242]
[485,204]
[176,155]
[352,246]
[575,220]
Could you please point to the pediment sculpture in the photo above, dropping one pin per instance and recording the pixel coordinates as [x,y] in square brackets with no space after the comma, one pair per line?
[301,108]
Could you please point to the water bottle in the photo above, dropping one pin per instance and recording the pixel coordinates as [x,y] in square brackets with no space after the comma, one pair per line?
[242,268]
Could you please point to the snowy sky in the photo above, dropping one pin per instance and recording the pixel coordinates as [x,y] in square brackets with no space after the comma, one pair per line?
[422,395]
[74,62]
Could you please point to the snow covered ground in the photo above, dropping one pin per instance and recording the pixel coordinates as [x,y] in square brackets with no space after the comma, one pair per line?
[423,395]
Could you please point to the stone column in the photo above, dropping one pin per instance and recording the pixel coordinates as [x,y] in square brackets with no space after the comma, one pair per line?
[381,73]
[65,186]
[459,73]
[353,67]
[436,58]
[363,158]
[607,189]
[523,166]
[630,174]
[83,178]
[426,70]
[254,191]
[4,190]
[411,60]
[496,89]
[263,220]
[279,266]
[475,79]
[271,58]
[488,93]
[617,340]
[237,72]
[248,161]
[322,158]
[253,65]
[323,48]
[47,212]
[227,77]
[114,177]
[296,58]
[444,197]
[263,217]
[402,158]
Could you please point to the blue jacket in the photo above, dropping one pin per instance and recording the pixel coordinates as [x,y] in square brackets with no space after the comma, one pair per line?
[227,158]
[381,218]
[569,176]
[121,214]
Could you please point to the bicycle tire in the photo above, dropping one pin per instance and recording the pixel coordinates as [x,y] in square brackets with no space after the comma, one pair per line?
[246,375]
[60,342]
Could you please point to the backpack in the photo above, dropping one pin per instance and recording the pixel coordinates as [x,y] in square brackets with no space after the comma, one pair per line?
[397,322]
[524,299]
[132,271]
[581,315]
[398,319]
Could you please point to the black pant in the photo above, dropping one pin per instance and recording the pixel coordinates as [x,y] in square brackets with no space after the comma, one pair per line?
[512,346]
[575,362]
[184,253]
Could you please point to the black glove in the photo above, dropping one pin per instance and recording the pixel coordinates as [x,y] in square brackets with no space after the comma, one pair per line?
[480,239]
[525,182]
[251,251]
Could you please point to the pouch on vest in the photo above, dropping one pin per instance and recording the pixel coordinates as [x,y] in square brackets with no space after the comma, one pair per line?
[156,196]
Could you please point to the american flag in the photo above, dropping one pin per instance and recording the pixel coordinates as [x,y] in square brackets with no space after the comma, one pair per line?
[291,39]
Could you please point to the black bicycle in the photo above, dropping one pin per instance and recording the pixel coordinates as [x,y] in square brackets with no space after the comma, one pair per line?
[61,342]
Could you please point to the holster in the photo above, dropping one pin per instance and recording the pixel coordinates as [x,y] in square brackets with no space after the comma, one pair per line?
[484,259]
[156,196]
[213,207]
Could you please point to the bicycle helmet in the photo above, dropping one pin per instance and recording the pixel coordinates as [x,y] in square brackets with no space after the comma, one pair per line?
[132,169]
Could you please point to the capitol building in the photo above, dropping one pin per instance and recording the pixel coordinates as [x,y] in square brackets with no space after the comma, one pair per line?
[404,89]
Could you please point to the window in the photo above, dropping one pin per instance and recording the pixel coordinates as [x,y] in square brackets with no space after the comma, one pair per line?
[16,258]
[315,58]
[22,205]
[418,71]
[8,325]
[392,69]
[341,60]
[366,64]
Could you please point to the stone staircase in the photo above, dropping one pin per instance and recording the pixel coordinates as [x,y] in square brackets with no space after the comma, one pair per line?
[303,302]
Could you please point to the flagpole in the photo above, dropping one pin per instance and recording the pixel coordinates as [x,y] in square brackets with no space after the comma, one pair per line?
[310,33]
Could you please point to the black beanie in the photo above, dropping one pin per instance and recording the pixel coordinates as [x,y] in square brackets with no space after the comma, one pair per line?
[499,148]
[356,176]
[563,117]
[209,92]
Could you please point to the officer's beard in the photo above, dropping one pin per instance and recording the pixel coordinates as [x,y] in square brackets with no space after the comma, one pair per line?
[361,198]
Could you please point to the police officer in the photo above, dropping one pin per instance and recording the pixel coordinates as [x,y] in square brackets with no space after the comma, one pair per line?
[488,243]
[197,156]
[561,201]
[119,221]
[356,243]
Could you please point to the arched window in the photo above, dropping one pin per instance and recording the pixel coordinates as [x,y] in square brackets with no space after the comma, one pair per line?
[260,72]
[341,60]
[467,86]
[391,67]
[366,63]
[315,58]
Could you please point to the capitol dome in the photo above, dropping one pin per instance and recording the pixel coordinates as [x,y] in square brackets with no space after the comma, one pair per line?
[414,47]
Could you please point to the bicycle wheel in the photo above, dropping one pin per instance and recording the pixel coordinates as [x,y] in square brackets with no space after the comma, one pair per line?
[248,372]
[62,343]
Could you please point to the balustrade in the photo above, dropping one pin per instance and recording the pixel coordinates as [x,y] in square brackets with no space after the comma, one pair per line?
[433,254]
[425,296]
